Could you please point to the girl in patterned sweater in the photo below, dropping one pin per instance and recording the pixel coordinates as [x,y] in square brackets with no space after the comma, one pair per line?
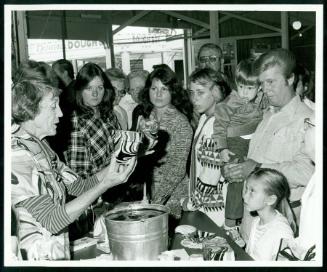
[207,190]
[163,99]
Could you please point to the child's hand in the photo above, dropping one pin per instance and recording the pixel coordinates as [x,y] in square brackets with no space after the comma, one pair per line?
[187,205]
[225,154]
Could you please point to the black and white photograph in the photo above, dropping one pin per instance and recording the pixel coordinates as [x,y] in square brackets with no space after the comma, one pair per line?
[170,135]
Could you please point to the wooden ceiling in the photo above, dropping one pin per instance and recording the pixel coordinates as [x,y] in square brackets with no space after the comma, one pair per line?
[44,24]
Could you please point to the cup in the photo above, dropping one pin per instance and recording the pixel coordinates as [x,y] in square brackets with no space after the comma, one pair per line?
[150,128]
[127,144]
[214,248]
[196,257]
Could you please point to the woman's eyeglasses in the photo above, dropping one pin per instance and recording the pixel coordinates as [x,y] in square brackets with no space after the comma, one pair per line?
[211,59]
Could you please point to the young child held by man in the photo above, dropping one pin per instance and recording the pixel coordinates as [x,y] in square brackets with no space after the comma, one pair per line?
[236,118]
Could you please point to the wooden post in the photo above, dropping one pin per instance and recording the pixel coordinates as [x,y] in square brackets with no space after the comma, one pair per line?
[125,62]
[284,28]
[214,27]
[187,55]
[63,33]
[110,41]
[21,35]
[108,55]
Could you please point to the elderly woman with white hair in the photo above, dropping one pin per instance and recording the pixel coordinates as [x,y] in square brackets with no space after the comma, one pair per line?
[131,101]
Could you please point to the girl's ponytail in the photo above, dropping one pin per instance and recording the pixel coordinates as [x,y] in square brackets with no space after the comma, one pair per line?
[285,209]
[276,184]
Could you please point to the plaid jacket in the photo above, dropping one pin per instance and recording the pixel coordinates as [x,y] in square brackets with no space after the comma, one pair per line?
[91,143]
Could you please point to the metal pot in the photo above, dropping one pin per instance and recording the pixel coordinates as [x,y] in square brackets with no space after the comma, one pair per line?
[137,231]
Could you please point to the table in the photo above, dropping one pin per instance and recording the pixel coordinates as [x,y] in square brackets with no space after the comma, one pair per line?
[204,223]
[196,219]
[86,253]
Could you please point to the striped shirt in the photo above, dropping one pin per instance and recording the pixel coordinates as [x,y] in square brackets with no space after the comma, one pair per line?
[39,182]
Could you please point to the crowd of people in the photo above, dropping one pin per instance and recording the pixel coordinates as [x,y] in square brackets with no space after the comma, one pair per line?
[240,150]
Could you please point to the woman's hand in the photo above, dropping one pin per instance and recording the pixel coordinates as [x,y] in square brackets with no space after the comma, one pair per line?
[114,174]
[118,173]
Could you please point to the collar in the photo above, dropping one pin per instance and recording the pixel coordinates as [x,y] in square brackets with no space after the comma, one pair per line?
[166,114]
[289,109]
[18,132]
[127,99]
[14,128]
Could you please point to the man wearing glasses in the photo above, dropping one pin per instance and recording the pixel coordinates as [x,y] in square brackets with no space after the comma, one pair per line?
[210,56]
[278,140]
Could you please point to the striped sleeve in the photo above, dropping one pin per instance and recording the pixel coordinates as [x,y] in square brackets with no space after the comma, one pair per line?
[82,185]
[52,217]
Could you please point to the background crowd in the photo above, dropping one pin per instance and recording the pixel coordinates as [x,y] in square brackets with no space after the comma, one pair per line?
[239,149]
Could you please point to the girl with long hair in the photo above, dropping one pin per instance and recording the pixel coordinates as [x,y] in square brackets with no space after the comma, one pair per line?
[94,122]
[164,100]
[266,193]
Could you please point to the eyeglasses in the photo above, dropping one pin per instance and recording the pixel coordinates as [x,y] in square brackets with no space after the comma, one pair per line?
[121,92]
[308,124]
[211,59]
[95,88]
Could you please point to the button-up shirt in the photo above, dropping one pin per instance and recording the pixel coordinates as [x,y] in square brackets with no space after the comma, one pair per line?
[278,141]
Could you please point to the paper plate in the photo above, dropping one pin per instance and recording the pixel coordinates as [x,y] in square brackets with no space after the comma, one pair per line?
[194,239]
[185,229]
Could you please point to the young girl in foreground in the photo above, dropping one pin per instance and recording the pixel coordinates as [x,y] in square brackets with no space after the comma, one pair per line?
[266,192]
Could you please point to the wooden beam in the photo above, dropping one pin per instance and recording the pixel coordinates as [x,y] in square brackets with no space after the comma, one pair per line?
[243,37]
[284,24]
[214,26]
[56,18]
[21,36]
[14,38]
[199,32]
[305,45]
[225,18]
[188,56]
[304,30]
[253,36]
[131,21]
[251,21]
[63,33]
[186,18]
[110,41]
